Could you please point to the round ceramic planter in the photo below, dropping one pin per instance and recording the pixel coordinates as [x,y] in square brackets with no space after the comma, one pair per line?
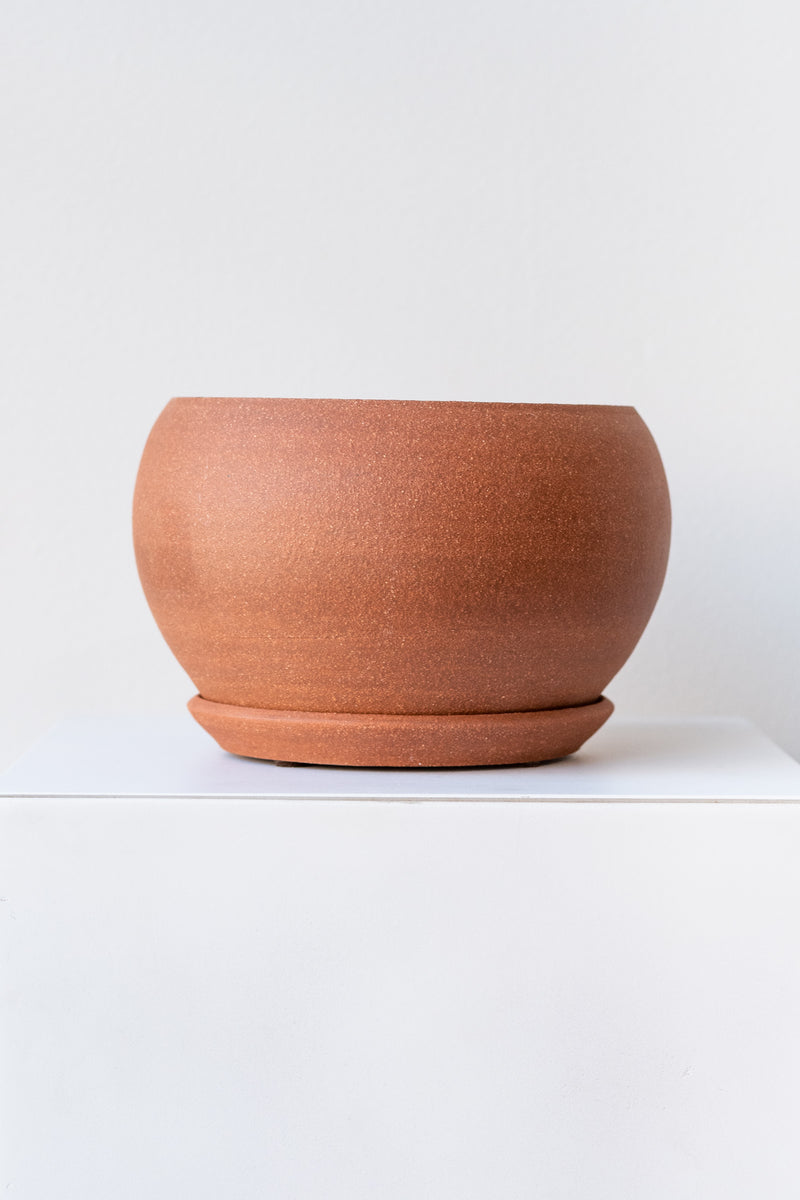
[400,583]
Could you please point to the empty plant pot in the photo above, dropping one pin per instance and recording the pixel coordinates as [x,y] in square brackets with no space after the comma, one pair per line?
[400,583]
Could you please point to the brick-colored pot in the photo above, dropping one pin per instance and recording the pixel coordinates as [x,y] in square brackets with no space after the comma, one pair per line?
[400,583]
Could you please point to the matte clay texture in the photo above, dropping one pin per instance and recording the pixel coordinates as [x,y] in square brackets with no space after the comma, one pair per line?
[400,559]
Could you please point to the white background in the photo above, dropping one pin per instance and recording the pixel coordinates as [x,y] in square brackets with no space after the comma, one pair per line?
[560,201]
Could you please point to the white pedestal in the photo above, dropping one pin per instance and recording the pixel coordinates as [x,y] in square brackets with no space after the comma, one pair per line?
[223,978]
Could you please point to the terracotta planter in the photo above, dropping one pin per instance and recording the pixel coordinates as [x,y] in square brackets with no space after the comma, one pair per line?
[400,583]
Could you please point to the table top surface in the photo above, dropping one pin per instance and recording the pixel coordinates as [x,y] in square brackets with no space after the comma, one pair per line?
[715,758]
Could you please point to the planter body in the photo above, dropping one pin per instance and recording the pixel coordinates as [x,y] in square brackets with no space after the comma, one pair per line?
[400,583]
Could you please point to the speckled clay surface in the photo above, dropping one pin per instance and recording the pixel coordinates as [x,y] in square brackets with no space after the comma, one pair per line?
[334,575]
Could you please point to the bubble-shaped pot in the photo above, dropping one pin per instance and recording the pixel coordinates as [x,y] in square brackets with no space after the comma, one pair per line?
[400,583]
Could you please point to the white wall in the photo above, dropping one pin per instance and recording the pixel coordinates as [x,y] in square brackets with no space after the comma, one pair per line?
[563,201]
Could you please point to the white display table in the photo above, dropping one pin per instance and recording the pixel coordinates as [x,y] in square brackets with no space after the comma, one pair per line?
[229,979]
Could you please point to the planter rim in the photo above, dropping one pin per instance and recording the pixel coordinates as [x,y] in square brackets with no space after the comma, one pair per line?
[383,400]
